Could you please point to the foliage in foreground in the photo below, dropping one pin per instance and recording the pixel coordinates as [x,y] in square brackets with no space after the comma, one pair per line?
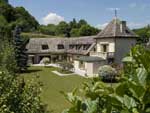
[16,95]
[131,95]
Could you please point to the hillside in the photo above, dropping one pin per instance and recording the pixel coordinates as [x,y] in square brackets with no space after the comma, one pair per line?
[16,16]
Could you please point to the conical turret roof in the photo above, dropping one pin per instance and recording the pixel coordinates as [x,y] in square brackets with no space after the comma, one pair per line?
[116,28]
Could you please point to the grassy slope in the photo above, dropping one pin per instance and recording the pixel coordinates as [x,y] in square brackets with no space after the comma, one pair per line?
[53,84]
[34,35]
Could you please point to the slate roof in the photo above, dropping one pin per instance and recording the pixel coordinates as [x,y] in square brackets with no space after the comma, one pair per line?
[35,44]
[90,59]
[116,28]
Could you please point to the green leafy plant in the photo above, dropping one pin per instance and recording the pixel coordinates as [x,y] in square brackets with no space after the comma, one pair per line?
[131,95]
[16,94]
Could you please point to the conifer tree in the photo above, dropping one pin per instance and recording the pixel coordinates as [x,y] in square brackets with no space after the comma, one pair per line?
[20,50]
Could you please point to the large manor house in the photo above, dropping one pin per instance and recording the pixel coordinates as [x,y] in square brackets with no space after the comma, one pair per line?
[87,53]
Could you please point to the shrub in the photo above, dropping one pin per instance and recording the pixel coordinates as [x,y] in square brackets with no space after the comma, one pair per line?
[45,61]
[65,66]
[107,73]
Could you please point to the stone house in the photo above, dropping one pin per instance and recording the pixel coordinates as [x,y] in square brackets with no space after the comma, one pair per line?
[86,53]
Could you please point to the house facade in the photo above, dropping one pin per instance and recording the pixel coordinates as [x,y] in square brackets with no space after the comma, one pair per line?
[86,53]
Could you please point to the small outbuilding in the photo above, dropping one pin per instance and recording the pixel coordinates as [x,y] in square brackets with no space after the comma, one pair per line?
[88,66]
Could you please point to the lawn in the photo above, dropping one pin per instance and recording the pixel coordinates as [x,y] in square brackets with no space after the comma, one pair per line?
[53,84]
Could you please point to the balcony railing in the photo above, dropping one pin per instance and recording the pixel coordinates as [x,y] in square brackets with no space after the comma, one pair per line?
[103,55]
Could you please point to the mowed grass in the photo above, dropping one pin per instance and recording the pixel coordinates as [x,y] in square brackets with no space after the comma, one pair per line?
[53,84]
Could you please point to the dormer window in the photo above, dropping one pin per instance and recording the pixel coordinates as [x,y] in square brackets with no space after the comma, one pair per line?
[79,47]
[86,46]
[60,46]
[71,46]
[45,47]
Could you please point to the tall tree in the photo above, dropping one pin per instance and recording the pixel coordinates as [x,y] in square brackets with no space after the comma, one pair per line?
[25,20]
[5,1]
[144,34]
[50,29]
[87,30]
[82,22]
[63,29]
[20,50]
[73,23]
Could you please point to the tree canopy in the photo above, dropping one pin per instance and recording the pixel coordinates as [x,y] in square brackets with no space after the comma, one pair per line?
[144,34]
[71,29]
[17,16]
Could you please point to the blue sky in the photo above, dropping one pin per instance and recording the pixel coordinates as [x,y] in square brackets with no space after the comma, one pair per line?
[96,12]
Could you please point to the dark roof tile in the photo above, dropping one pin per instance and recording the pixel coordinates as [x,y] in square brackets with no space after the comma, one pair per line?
[116,28]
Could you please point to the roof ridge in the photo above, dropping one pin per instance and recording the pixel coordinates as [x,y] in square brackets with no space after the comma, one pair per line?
[113,29]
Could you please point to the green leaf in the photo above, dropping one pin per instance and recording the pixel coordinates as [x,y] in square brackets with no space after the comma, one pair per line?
[137,90]
[146,97]
[129,102]
[121,89]
[91,106]
[141,76]
[116,101]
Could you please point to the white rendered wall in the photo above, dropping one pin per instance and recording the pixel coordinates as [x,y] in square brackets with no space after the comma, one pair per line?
[109,41]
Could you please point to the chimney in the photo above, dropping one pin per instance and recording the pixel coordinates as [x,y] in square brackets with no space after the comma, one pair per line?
[123,26]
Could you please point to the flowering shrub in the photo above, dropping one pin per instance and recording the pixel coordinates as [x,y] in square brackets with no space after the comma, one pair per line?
[45,61]
[66,66]
[106,72]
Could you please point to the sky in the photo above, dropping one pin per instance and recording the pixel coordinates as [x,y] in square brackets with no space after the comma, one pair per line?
[96,12]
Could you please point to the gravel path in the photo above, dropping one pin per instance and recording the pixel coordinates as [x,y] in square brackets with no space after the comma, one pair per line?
[60,74]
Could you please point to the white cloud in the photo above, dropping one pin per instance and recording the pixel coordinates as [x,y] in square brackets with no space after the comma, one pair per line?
[52,18]
[101,26]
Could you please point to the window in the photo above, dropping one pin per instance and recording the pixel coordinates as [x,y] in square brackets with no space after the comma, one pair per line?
[71,46]
[78,47]
[86,46]
[104,47]
[60,46]
[45,47]
[94,49]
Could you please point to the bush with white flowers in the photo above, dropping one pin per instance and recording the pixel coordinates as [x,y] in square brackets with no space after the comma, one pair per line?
[106,72]
[45,61]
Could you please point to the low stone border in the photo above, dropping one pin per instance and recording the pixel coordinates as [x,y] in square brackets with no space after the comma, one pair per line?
[60,74]
[53,65]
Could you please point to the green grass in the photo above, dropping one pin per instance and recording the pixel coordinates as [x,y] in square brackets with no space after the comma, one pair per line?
[35,35]
[53,84]
[64,71]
